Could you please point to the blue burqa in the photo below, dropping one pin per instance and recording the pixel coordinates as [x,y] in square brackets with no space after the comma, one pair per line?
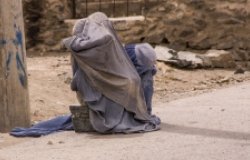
[116,85]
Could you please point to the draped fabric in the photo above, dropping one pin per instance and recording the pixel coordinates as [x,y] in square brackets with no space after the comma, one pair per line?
[106,79]
[116,85]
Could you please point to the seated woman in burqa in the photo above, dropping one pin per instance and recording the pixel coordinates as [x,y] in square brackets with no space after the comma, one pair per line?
[115,82]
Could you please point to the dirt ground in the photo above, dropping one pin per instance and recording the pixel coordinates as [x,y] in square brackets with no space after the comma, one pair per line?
[50,76]
[50,94]
[203,129]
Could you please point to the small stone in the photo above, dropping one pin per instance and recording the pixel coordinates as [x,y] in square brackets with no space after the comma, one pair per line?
[68,80]
[239,71]
[40,100]
[191,57]
[50,143]
[36,113]
[164,53]
[224,80]
[61,142]
[220,58]
[239,80]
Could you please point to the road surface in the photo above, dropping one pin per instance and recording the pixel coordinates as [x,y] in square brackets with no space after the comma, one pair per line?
[211,126]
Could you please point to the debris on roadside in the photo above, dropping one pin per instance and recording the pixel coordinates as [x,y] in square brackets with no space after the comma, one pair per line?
[50,143]
[239,71]
[191,60]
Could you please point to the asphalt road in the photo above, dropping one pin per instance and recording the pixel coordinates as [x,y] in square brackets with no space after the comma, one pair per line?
[211,126]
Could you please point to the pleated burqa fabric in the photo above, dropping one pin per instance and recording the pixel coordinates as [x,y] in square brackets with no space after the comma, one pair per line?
[106,79]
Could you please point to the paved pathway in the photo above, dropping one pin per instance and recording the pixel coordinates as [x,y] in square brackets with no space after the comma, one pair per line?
[212,126]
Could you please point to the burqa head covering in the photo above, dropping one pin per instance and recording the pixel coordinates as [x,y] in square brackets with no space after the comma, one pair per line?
[146,58]
[97,17]
[78,27]
[100,55]
[145,55]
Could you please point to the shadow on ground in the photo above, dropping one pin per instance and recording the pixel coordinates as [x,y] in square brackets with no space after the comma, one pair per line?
[204,132]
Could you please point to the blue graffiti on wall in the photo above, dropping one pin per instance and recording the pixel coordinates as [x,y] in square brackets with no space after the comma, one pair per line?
[21,71]
[19,37]
[18,43]
[8,62]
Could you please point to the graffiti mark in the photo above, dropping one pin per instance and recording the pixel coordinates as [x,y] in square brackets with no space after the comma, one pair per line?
[18,41]
[8,62]
[19,36]
[21,71]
